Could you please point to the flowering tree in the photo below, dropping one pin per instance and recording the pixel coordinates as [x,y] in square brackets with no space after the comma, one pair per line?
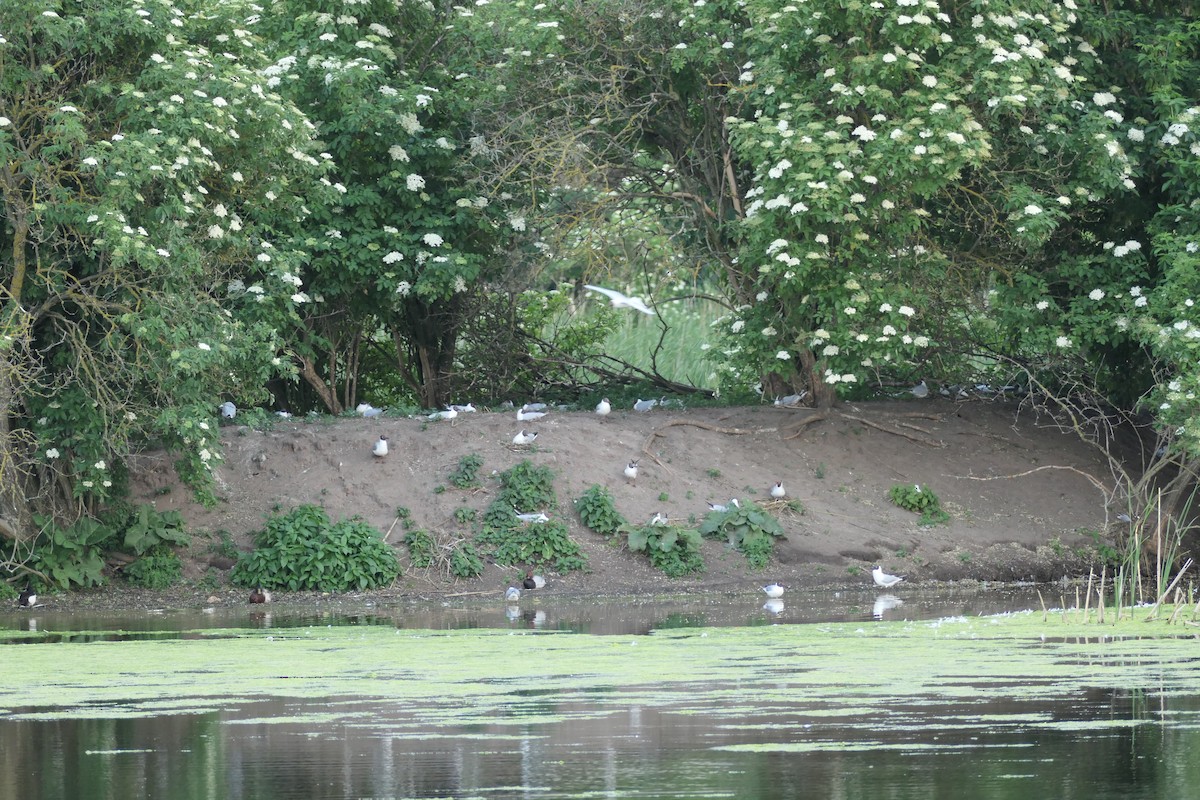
[145,164]
[404,238]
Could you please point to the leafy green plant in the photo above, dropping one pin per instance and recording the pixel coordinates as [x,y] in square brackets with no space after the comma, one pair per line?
[301,549]
[673,550]
[157,569]
[149,528]
[747,528]
[405,517]
[527,486]
[466,475]
[465,561]
[8,591]
[912,497]
[421,548]
[713,472]
[597,510]
[72,556]
[536,543]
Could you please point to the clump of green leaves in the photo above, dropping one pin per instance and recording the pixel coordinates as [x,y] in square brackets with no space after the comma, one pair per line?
[598,511]
[529,488]
[466,475]
[914,498]
[421,548]
[148,529]
[72,556]
[157,569]
[301,549]
[672,549]
[465,561]
[747,528]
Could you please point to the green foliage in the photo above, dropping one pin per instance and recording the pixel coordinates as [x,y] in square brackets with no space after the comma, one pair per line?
[597,510]
[919,500]
[673,550]
[465,561]
[528,487]
[149,528]
[464,515]
[158,569]
[421,548]
[535,543]
[72,557]
[8,591]
[301,549]
[466,475]
[747,528]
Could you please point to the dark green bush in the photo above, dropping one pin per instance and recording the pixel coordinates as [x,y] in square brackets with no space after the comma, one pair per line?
[157,569]
[911,497]
[421,548]
[747,528]
[672,549]
[465,561]
[528,488]
[598,511]
[301,549]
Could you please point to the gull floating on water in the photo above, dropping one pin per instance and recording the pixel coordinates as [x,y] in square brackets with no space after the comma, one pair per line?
[228,410]
[883,579]
[603,407]
[885,602]
[644,405]
[381,448]
[620,300]
[631,470]
[539,516]
[513,593]
[777,491]
[773,590]
[529,416]
[523,438]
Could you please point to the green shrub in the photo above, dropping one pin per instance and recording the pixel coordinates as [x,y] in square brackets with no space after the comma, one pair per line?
[673,550]
[919,501]
[421,548]
[466,476]
[148,528]
[747,528]
[157,569]
[71,556]
[598,511]
[528,488]
[465,561]
[301,549]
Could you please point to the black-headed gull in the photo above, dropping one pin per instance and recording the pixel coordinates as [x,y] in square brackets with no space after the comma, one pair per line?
[721,507]
[603,407]
[620,300]
[522,439]
[228,410]
[535,407]
[539,516]
[773,590]
[883,579]
[920,391]
[512,593]
[449,413]
[529,416]
[790,400]
[381,447]
[368,410]
[658,519]
[644,405]
[469,408]
[631,470]
[777,491]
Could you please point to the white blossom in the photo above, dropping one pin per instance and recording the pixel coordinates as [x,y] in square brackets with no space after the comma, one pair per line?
[1096,294]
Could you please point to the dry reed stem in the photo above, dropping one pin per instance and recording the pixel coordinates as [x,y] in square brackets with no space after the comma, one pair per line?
[1179,575]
